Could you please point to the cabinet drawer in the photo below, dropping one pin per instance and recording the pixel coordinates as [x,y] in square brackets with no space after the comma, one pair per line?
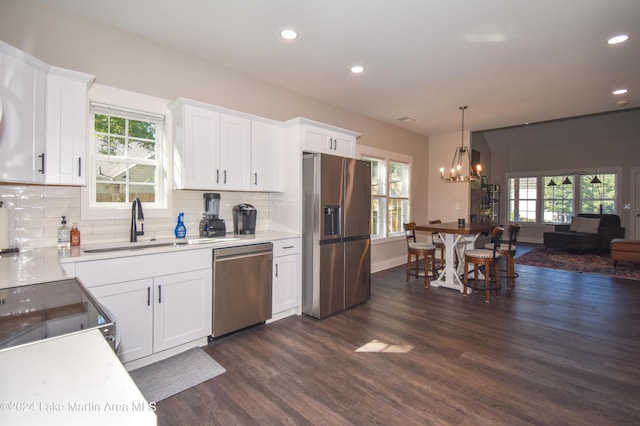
[286,247]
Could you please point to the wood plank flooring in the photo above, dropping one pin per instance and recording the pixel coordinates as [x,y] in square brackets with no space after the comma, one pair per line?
[562,348]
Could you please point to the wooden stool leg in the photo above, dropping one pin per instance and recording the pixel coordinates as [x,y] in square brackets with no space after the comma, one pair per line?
[497,272]
[512,270]
[466,278]
[487,295]
[427,263]
[408,265]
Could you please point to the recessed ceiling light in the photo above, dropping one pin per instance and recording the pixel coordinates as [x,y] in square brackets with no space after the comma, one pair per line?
[618,39]
[406,119]
[620,91]
[288,34]
[357,69]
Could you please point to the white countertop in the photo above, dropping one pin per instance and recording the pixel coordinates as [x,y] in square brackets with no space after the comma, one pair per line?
[33,266]
[72,380]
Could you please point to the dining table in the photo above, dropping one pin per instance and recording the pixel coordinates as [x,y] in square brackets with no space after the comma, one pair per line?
[455,239]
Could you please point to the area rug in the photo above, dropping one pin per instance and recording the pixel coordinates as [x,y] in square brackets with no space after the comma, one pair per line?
[598,263]
[170,376]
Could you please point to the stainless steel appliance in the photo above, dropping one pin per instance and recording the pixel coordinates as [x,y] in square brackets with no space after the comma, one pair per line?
[244,219]
[36,312]
[211,225]
[241,287]
[336,242]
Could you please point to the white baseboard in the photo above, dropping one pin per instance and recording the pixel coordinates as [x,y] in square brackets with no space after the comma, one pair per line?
[388,264]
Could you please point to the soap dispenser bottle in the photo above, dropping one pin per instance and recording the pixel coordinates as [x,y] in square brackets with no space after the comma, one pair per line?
[181,230]
[64,238]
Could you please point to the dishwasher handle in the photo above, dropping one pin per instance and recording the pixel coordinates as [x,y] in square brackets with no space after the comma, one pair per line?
[242,251]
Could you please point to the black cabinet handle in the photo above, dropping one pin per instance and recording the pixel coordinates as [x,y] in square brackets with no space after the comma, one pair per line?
[217,175]
[287,247]
[148,296]
[276,270]
[79,166]
[255,178]
[41,157]
[159,294]
[225,177]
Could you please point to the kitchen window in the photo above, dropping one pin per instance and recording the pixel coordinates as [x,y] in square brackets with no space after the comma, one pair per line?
[127,155]
[390,177]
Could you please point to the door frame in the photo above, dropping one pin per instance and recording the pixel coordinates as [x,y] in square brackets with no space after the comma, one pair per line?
[634,203]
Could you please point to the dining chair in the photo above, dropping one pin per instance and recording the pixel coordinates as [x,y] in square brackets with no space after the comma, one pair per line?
[420,250]
[487,259]
[507,249]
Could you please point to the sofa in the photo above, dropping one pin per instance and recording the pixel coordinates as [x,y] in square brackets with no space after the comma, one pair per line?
[586,232]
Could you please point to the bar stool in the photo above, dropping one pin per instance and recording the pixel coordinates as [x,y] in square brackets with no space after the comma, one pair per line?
[419,250]
[487,259]
[508,250]
[437,241]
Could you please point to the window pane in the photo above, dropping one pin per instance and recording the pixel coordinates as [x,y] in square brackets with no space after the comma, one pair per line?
[110,192]
[142,173]
[522,199]
[142,129]
[398,212]
[593,195]
[111,171]
[141,149]
[398,179]
[378,174]
[557,200]
[146,193]
[377,217]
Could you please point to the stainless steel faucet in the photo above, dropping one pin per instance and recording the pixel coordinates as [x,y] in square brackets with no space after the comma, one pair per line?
[136,205]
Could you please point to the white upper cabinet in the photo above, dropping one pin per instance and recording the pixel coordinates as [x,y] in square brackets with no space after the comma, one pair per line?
[318,139]
[266,157]
[66,126]
[235,153]
[196,146]
[324,138]
[22,93]
[220,149]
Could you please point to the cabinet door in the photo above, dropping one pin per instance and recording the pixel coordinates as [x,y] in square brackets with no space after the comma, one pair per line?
[66,130]
[22,92]
[285,283]
[344,145]
[235,152]
[317,139]
[182,308]
[266,153]
[131,303]
[200,149]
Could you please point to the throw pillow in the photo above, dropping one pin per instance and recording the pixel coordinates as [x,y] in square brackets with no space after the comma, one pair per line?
[586,225]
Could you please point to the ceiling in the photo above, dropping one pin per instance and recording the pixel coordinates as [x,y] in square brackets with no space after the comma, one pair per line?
[512,62]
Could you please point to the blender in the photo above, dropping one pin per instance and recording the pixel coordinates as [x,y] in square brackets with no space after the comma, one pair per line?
[211,225]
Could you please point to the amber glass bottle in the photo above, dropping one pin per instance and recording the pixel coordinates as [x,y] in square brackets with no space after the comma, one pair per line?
[75,235]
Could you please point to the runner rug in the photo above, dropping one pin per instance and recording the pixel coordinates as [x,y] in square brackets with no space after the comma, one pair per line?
[589,262]
[170,376]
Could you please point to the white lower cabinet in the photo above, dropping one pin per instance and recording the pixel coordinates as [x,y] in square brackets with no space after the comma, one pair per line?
[159,301]
[287,278]
[159,313]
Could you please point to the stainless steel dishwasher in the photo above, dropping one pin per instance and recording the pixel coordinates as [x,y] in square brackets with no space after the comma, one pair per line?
[241,287]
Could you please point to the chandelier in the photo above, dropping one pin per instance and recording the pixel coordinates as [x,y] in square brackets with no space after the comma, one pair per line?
[460,156]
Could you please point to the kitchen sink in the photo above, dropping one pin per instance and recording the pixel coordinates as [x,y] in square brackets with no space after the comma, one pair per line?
[152,244]
[135,246]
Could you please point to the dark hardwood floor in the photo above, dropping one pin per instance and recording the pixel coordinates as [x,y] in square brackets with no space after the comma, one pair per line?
[562,348]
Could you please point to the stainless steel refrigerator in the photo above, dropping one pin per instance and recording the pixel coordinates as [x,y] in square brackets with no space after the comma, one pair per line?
[336,242]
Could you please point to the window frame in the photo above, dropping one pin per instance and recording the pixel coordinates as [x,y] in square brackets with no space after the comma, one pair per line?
[140,105]
[388,157]
[578,191]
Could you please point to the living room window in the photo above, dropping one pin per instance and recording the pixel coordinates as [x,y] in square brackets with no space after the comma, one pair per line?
[523,199]
[557,199]
[390,178]
[561,196]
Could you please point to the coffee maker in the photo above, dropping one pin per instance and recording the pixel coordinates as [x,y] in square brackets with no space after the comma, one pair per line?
[244,219]
[211,225]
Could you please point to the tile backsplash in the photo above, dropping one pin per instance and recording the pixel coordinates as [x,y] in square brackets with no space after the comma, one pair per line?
[35,213]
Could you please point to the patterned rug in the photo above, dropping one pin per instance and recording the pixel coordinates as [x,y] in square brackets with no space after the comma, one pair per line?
[589,262]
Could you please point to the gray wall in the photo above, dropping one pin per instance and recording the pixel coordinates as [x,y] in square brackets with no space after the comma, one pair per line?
[605,141]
